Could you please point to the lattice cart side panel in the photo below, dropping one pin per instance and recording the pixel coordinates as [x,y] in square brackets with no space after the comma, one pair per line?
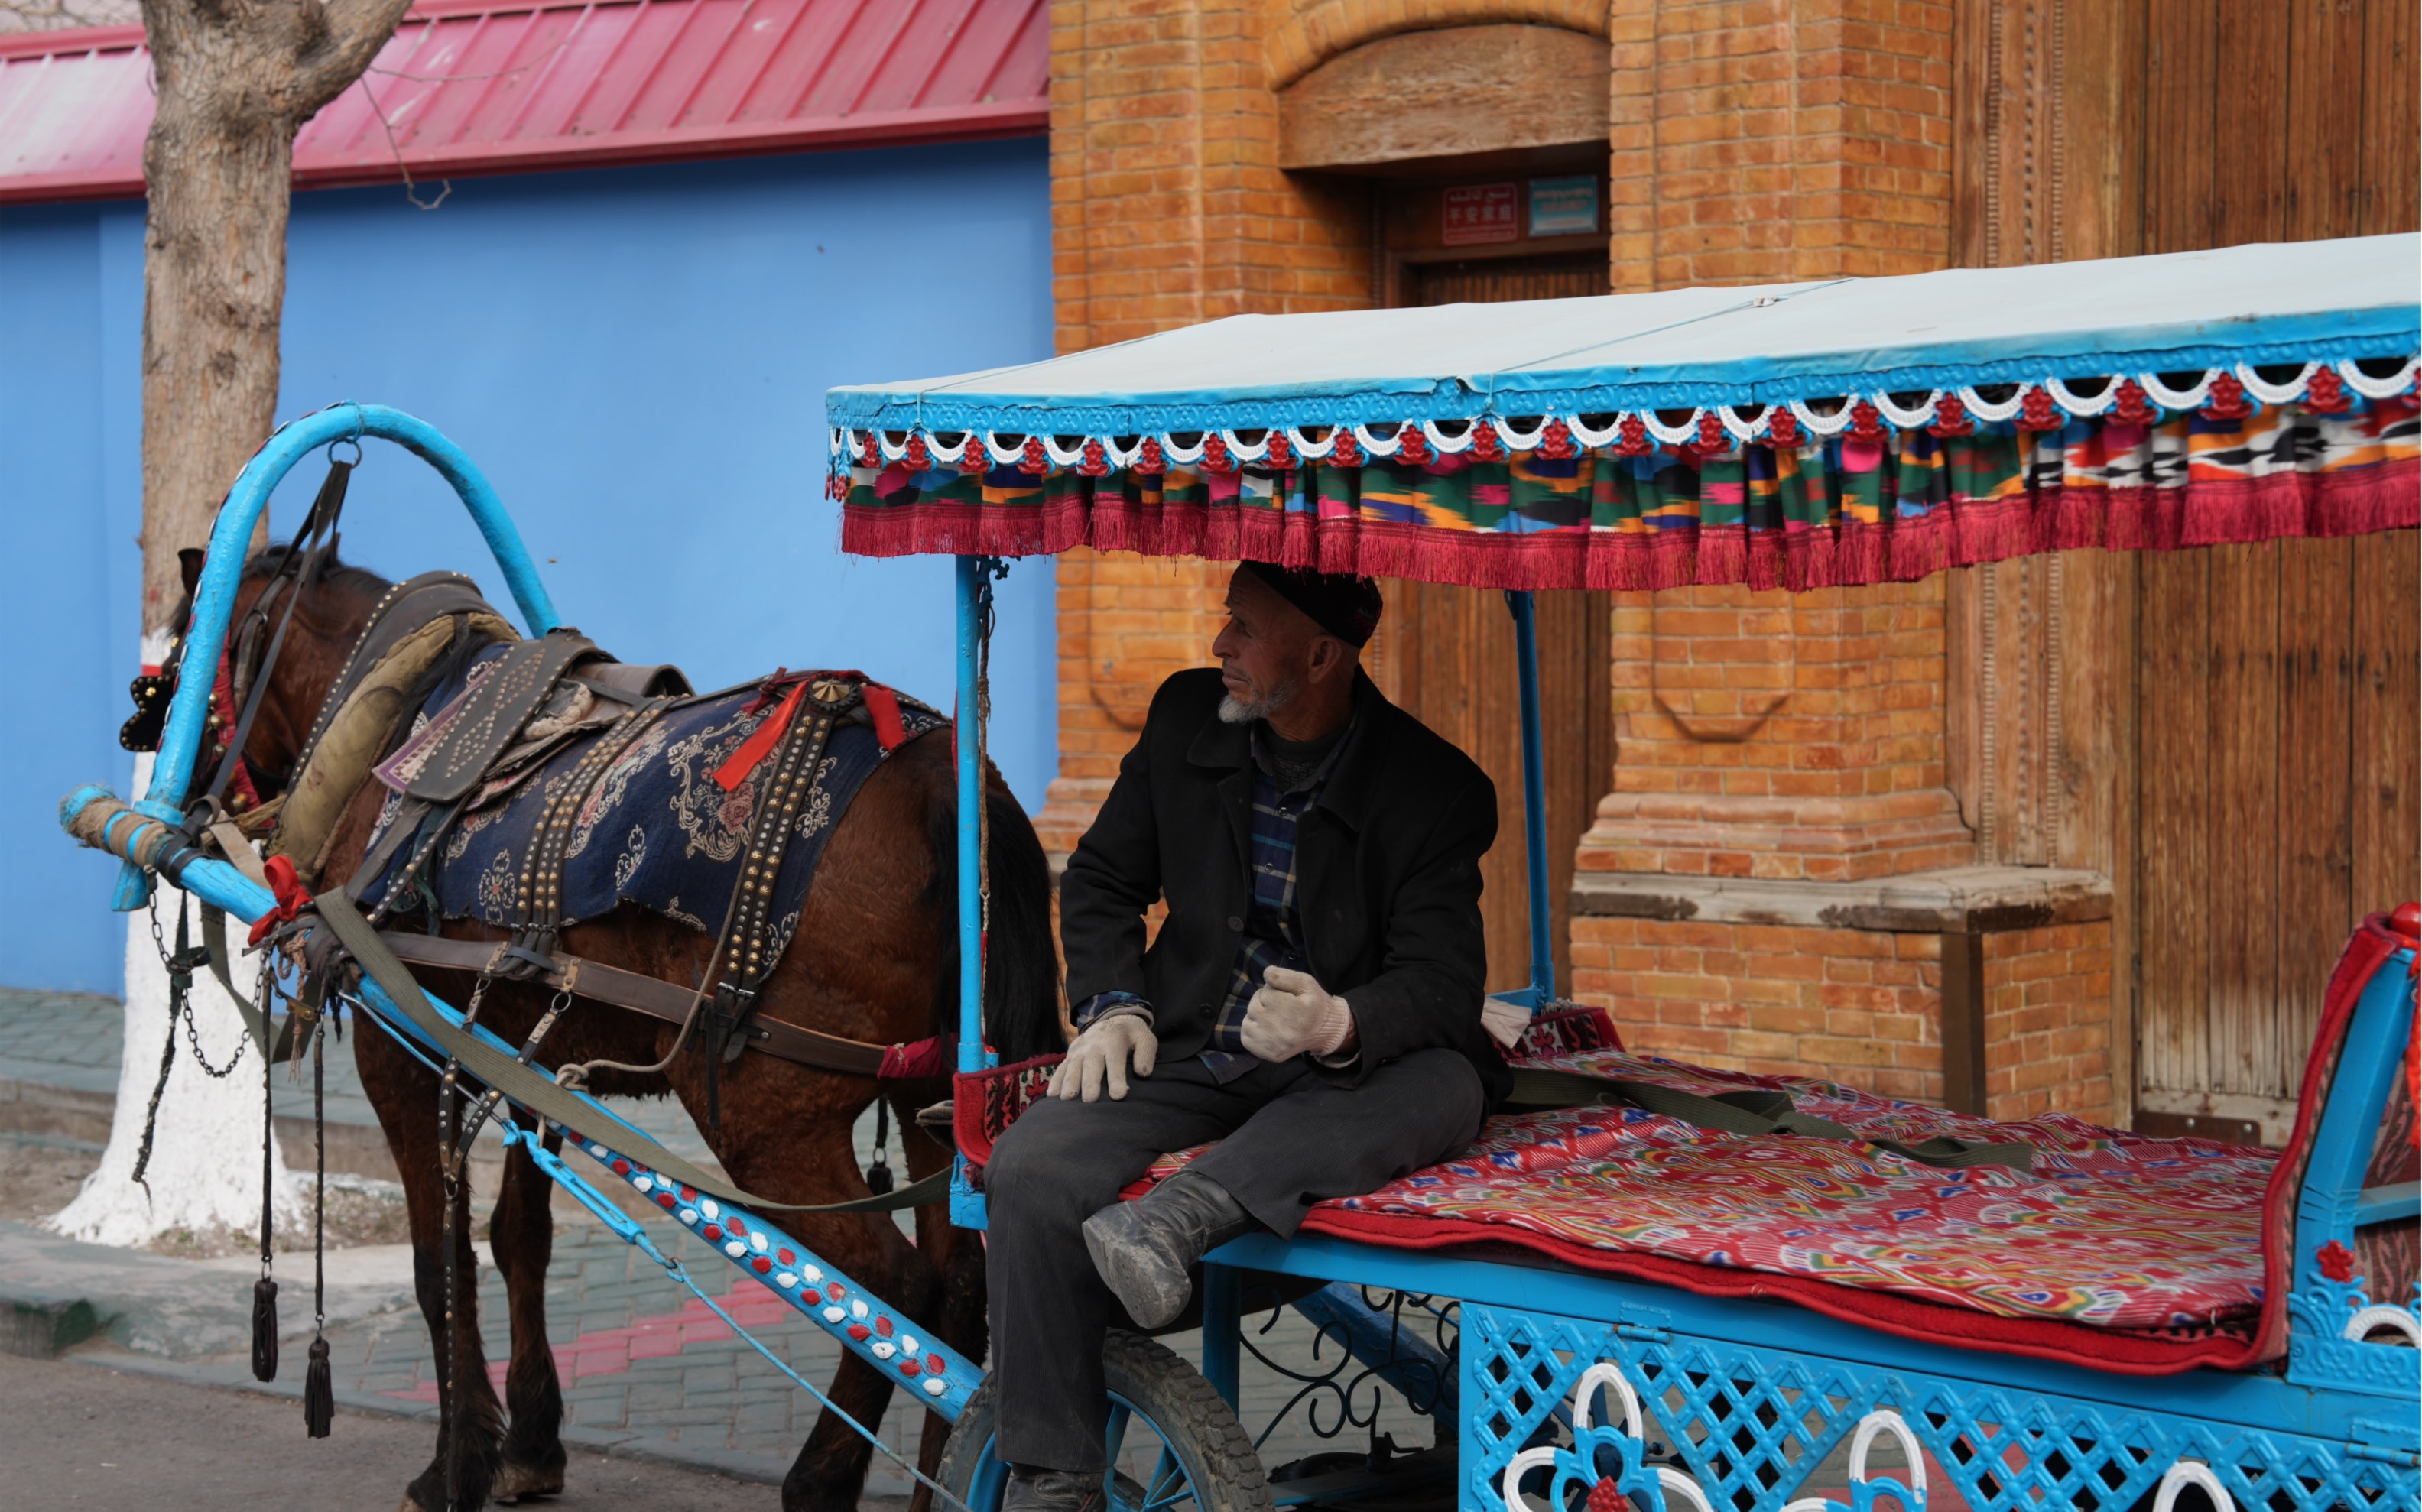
[1682,1423]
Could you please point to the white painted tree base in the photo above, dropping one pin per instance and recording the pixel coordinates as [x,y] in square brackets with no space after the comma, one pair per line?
[205,1170]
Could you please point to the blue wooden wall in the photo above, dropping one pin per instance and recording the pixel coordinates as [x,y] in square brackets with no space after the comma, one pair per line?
[636,356]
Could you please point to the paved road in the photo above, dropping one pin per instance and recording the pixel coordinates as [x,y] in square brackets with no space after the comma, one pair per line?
[75,1434]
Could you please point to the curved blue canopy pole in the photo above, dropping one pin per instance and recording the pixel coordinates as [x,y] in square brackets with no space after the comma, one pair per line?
[181,741]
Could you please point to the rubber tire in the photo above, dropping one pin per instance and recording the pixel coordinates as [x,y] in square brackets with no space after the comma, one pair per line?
[1159,1386]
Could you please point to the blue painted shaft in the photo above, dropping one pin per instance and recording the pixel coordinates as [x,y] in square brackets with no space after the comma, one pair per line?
[1222,1325]
[214,598]
[1534,796]
[967,1204]
[216,882]
[971,1046]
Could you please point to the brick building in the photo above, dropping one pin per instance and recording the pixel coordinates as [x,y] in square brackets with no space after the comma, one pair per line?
[2076,832]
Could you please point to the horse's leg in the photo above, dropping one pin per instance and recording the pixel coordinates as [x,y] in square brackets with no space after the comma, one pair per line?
[406,1097]
[958,1255]
[522,1234]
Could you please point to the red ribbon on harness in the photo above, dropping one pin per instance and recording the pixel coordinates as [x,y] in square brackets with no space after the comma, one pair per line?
[761,743]
[881,706]
[291,898]
[923,1061]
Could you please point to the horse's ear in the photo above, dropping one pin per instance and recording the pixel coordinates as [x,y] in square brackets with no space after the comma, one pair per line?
[191,559]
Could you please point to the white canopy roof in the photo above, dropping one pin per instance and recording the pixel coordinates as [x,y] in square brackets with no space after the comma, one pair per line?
[2190,312]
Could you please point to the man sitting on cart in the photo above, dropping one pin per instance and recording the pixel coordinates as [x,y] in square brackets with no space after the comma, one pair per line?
[1313,1001]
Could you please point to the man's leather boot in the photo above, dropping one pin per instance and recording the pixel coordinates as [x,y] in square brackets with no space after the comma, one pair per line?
[1144,1249]
[1031,1490]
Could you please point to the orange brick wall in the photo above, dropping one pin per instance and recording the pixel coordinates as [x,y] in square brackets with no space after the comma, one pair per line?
[1774,736]
[1761,140]
[1752,140]
[1126,622]
[1168,205]
[1304,34]
[1858,1007]
[2048,1022]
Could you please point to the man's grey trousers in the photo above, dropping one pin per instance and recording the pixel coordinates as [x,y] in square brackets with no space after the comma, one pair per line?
[1287,1139]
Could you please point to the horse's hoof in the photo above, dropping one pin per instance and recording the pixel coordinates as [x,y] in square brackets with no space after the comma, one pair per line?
[526,1482]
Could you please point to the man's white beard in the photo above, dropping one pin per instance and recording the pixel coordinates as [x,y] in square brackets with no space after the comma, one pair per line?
[1236,711]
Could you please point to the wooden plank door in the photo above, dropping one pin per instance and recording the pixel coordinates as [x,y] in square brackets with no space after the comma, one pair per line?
[2279,697]
[2281,801]
[1446,655]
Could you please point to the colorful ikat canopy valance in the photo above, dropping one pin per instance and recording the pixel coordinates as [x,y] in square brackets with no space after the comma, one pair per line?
[1799,435]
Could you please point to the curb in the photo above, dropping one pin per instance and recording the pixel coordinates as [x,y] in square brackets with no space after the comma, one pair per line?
[74,1113]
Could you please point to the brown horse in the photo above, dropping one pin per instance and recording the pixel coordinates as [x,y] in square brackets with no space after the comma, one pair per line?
[875,958]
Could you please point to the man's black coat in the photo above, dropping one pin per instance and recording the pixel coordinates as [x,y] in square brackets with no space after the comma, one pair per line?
[1387,866]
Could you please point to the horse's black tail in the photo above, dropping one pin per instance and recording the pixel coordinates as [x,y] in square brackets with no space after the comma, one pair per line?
[1021,972]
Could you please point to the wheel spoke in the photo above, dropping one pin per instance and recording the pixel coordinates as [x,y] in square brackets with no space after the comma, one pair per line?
[1113,1439]
[1166,1473]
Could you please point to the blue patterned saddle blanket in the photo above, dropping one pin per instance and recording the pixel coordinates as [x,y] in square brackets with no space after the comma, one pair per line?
[657,829]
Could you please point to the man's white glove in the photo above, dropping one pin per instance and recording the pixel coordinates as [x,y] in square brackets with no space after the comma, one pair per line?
[1291,1014]
[1505,1021]
[1101,1054]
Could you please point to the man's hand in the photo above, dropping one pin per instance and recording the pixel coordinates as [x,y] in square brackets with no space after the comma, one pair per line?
[1101,1054]
[1291,1014]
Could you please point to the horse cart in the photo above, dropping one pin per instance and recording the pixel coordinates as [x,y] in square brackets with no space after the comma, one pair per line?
[1658,1285]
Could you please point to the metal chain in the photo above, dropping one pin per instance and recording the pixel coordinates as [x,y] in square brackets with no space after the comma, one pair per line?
[992,567]
[181,1006]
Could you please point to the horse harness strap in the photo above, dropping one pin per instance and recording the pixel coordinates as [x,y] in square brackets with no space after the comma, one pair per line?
[517,1080]
[641,994]
[746,950]
[1751,1110]
[494,711]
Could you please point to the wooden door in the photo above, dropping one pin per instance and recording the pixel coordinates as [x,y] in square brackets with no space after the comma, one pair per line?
[1447,656]
[2237,732]
[1482,282]
[2280,802]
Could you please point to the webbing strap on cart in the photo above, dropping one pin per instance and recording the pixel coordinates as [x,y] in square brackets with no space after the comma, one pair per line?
[558,1104]
[1751,1110]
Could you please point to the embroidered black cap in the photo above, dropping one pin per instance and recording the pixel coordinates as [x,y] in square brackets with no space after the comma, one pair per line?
[1341,604]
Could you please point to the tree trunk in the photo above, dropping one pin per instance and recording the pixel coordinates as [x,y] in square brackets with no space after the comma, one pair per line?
[235,80]
[214,286]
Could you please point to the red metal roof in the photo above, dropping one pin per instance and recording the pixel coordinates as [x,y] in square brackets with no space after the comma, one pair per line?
[473,86]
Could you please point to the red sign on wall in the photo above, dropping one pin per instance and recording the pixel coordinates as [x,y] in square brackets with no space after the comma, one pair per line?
[1476,213]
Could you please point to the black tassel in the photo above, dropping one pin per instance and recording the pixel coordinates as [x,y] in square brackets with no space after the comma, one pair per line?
[319,1396]
[878,1172]
[264,1329]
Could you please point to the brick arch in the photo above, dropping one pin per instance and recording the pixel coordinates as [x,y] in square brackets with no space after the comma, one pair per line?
[1304,34]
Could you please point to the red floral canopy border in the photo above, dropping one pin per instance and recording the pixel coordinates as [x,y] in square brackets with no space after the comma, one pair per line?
[1870,488]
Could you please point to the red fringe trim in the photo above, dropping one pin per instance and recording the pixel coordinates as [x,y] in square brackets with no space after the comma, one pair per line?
[1920,546]
[2244,510]
[1723,553]
[2390,498]
[1299,549]
[2359,500]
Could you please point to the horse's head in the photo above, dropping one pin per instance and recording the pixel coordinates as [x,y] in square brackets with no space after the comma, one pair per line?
[323,605]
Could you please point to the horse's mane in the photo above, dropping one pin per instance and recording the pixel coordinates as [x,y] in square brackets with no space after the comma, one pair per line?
[334,571]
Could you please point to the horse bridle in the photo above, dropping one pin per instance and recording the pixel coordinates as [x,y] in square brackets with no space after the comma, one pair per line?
[246,661]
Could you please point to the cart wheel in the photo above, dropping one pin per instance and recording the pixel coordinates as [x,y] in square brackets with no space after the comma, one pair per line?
[1175,1445]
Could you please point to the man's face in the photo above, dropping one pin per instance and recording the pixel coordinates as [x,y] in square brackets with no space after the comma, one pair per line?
[1264,650]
